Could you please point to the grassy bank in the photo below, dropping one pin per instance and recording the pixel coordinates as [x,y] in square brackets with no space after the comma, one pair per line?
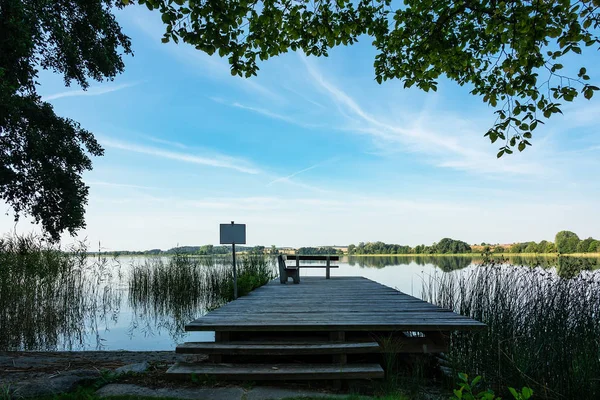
[543,329]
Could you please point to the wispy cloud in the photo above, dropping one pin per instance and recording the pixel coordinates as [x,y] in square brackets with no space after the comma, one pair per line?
[415,134]
[94,91]
[303,185]
[120,185]
[265,112]
[215,160]
[287,178]
[216,67]
[167,142]
[302,96]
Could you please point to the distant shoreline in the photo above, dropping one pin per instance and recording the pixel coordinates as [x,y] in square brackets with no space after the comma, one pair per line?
[476,254]
[480,255]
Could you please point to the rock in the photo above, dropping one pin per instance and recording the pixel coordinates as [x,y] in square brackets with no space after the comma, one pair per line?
[137,368]
[118,389]
[49,386]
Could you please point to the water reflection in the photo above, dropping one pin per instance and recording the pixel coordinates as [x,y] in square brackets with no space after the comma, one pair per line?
[573,265]
[53,300]
[57,301]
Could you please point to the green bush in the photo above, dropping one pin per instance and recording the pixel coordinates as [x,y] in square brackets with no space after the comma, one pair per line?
[470,390]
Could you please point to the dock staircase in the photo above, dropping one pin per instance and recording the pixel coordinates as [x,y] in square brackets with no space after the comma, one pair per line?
[260,356]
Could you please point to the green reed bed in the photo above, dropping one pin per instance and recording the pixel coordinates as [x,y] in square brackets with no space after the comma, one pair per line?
[179,288]
[47,294]
[543,330]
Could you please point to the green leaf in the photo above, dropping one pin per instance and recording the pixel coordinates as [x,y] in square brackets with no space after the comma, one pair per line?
[500,153]
[526,393]
[463,377]
[514,393]
[476,380]
[522,146]
[458,393]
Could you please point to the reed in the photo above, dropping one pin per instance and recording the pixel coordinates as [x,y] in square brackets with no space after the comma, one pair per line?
[175,290]
[50,297]
[543,327]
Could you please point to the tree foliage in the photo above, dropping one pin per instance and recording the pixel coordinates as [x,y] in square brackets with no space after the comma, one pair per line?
[451,246]
[43,155]
[445,246]
[327,250]
[510,53]
[566,242]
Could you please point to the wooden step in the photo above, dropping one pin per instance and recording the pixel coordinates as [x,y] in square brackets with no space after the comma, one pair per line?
[278,371]
[277,348]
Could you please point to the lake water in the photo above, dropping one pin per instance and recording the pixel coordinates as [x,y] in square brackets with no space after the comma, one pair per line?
[108,317]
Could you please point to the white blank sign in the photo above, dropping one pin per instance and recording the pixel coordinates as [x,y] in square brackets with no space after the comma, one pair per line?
[233,233]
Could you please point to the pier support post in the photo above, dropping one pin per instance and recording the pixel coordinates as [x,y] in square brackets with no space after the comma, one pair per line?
[219,337]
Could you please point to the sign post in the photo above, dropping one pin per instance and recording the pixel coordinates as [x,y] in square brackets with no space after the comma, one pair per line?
[232,234]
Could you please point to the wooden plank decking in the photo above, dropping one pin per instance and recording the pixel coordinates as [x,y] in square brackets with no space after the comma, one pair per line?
[337,304]
[276,372]
[334,328]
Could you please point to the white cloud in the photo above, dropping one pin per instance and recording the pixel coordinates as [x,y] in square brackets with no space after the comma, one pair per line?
[214,160]
[93,91]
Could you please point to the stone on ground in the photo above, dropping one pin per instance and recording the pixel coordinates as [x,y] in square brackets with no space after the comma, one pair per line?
[49,386]
[137,368]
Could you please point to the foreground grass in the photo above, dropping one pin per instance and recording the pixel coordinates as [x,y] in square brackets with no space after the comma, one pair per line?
[542,330]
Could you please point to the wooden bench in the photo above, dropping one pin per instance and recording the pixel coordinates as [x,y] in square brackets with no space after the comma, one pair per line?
[286,272]
[327,259]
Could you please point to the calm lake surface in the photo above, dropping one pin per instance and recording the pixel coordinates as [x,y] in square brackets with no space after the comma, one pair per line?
[110,317]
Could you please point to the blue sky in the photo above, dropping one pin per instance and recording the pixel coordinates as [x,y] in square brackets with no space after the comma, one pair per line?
[314,152]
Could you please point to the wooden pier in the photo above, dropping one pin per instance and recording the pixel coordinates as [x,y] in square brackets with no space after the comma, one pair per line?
[320,329]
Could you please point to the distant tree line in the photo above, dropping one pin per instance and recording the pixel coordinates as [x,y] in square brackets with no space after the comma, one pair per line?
[444,246]
[565,242]
[319,251]
[205,250]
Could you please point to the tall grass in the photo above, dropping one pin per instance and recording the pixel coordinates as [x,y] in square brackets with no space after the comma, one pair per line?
[48,297]
[178,289]
[543,329]
[61,299]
